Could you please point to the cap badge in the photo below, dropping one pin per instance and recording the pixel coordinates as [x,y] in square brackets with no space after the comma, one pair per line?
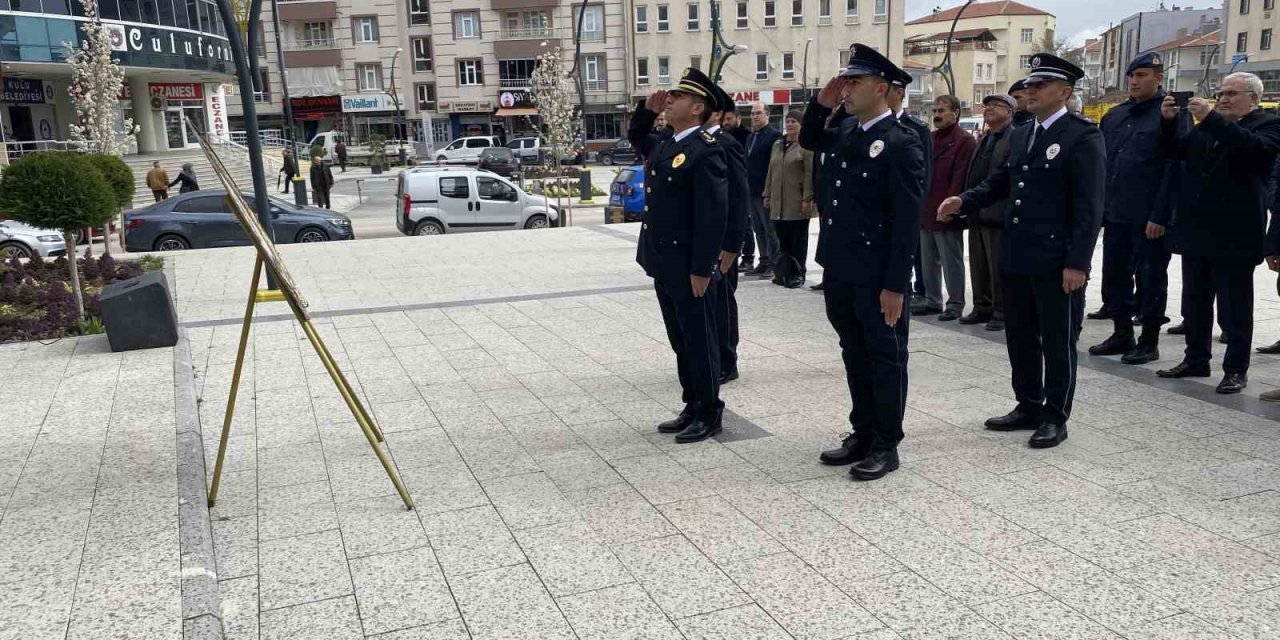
[677,161]
[1052,151]
[876,148]
[1035,62]
[686,73]
[1155,59]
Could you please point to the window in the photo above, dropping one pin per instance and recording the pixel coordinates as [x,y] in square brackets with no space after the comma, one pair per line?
[1268,5]
[593,74]
[695,62]
[664,70]
[1244,7]
[642,18]
[762,66]
[664,19]
[466,24]
[419,12]
[1242,42]
[426,94]
[788,66]
[824,11]
[1028,36]
[422,54]
[882,11]
[526,24]
[206,204]
[478,143]
[265,84]
[1265,43]
[1209,57]
[602,126]
[1024,62]
[316,34]
[797,13]
[366,29]
[770,14]
[470,73]
[743,22]
[454,187]
[691,17]
[369,77]
[513,74]
[850,11]
[592,23]
[494,189]
[642,71]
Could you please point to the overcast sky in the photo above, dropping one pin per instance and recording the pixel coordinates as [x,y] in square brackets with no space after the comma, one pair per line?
[1077,19]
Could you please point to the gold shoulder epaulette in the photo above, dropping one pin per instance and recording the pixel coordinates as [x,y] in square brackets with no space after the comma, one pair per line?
[711,139]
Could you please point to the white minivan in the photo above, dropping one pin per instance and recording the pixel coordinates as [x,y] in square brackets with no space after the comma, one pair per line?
[435,200]
[465,150]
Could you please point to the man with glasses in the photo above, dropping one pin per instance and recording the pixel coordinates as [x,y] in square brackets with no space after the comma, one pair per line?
[1219,227]
[1054,178]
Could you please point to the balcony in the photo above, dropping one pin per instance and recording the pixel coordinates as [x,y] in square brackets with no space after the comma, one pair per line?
[526,34]
[329,57]
[595,85]
[311,11]
[514,83]
[311,44]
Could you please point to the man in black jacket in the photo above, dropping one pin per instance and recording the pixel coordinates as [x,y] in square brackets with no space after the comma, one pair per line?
[984,232]
[897,94]
[1054,179]
[1273,348]
[725,301]
[759,147]
[1220,225]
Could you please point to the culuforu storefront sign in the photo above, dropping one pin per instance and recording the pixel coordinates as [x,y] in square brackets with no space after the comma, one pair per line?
[161,47]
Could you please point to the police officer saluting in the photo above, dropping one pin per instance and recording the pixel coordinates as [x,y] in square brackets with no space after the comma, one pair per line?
[725,302]
[871,230]
[1054,179]
[685,211]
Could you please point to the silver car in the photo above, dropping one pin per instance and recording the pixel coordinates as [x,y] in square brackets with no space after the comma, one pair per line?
[25,241]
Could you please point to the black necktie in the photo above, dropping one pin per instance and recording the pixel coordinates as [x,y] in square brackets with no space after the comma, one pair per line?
[1035,135]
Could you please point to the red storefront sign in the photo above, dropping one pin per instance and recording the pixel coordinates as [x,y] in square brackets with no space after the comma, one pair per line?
[315,107]
[169,90]
[767,96]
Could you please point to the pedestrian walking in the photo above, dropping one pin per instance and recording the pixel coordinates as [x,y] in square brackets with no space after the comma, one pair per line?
[872,228]
[187,178]
[321,181]
[289,168]
[1055,177]
[158,181]
[942,243]
[686,207]
[759,149]
[1220,223]
[788,197]
[985,224]
[725,288]
[340,150]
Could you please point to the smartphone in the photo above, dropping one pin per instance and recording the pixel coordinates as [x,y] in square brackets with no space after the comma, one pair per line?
[1180,98]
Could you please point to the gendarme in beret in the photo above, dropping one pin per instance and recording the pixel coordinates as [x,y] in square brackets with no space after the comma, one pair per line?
[1018,85]
[1046,66]
[695,82]
[1148,60]
[865,61]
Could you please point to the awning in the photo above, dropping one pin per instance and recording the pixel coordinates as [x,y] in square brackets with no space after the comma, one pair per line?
[502,113]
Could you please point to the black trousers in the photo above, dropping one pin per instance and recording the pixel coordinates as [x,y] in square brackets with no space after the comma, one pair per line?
[724,305]
[1042,325]
[691,330]
[1230,280]
[1135,276]
[322,197]
[875,360]
[793,241]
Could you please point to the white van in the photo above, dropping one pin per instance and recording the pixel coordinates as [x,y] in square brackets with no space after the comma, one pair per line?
[465,150]
[435,200]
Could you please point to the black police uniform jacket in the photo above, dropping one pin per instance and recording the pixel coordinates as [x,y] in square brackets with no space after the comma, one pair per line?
[1221,206]
[641,134]
[1138,169]
[737,194]
[871,223]
[1055,193]
[685,207]
[926,138]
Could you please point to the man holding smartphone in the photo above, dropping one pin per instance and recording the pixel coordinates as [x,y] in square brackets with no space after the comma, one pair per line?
[1135,263]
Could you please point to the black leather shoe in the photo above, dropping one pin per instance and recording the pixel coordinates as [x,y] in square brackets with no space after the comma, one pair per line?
[925,310]
[1233,383]
[995,325]
[950,315]
[795,282]
[1117,344]
[851,450]
[975,318]
[877,464]
[817,287]
[1049,435]
[762,271]
[678,424]
[732,375]
[1184,370]
[698,430]
[1142,353]
[1177,330]
[1222,338]
[1101,314]
[746,264]
[1272,348]
[777,279]
[1015,420]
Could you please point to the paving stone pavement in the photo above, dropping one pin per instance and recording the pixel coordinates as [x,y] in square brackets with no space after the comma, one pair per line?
[518,377]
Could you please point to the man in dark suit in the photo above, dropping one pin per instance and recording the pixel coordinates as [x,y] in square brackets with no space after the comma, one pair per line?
[759,148]
[871,229]
[1135,263]
[1273,348]
[1219,227]
[897,95]
[1054,178]
[686,205]
[725,301]
[984,228]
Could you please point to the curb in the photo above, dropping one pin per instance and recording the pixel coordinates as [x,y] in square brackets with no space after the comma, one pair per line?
[201,606]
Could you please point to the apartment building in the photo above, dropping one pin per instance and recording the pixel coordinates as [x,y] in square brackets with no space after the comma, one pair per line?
[973,63]
[1144,31]
[791,45]
[1191,62]
[1248,42]
[1019,30]
[434,70]
[1090,58]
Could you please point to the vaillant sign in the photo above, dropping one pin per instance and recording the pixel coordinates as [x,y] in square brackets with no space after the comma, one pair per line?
[365,102]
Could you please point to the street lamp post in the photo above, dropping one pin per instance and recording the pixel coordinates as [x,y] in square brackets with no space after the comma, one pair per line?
[804,69]
[944,67]
[284,80]
[718,45]
[395,101]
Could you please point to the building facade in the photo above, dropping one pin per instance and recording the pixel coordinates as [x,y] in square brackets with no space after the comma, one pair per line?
[1019,30]
[1191,62]
[793,46]
[973,63]
[1249,43]
[1144,32]
[174,53]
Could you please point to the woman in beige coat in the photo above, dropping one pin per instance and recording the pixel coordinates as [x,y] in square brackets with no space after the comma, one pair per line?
[788,197]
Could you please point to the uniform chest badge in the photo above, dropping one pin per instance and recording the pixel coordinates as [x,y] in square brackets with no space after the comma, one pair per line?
[876,148]
[677,161]
[1052,151]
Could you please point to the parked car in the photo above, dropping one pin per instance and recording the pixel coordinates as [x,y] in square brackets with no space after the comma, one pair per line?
[435,200]
[203,219]
[530,150]
[499,160]
[25,241]
[465,150]
[974,125]
[618,153]
[626,195]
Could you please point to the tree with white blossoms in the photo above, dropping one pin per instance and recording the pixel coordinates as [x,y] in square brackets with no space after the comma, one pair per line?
[553,94]
[96,80]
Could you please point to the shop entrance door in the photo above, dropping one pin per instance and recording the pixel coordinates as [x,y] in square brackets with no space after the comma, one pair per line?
[180,136]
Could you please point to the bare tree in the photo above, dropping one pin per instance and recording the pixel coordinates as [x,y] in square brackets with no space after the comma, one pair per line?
[554,96]
[1061,47]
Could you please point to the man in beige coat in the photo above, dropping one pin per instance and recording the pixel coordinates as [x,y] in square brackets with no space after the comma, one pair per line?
[788,197]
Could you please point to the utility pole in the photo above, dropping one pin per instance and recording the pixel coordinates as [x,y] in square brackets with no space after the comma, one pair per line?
[395,100]
[804,69]
[284,81]
[577,80]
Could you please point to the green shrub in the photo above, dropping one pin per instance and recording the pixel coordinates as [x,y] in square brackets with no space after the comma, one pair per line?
[118,174]
[56,190]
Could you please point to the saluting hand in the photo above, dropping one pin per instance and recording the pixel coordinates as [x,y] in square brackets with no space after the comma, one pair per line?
[657,101]
[829,97]
[1273,263]
[1199,107]
[949,208]
[890,306]
[699,284]
[1169,108]
[1072,279]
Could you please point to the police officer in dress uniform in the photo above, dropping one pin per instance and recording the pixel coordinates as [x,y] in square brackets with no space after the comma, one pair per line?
[686,205]
[725,290]
[1054,177]
[871,231]
[1136,212]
